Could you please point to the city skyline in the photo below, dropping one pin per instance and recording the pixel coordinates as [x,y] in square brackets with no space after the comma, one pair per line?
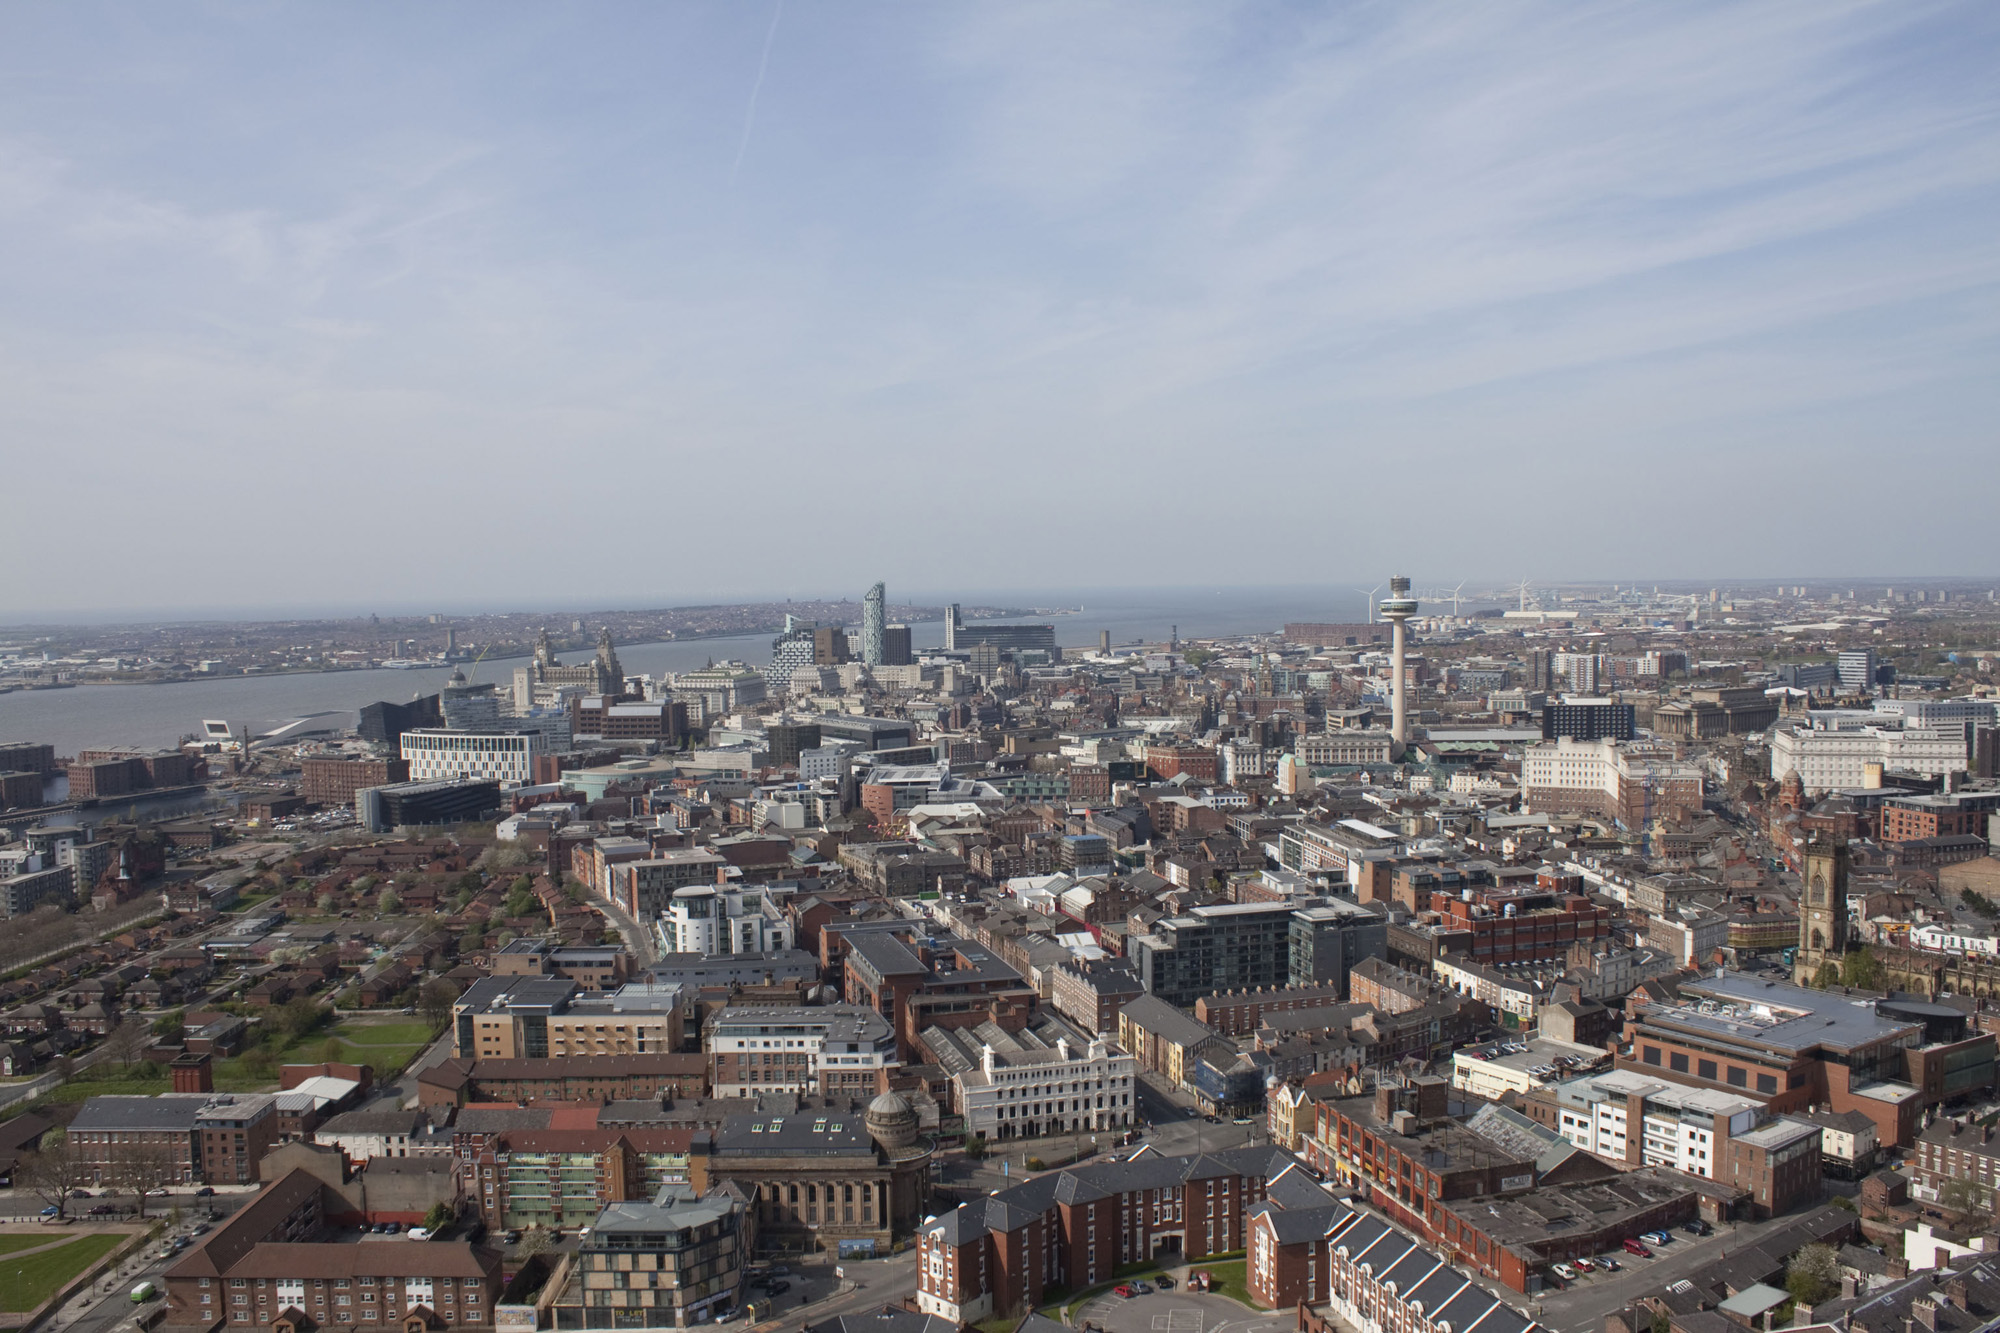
[420,287]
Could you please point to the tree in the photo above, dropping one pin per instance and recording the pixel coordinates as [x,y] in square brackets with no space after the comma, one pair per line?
[300,1016]
[170,1026]
[1963,1199]
[332,1051]
[1813,1275]
[327,902]
[975,1147]
[1829,975]
[520,898]
[124,1042]
[435,999]
[54,1172]
[439,1217]
[143,1168]
[1860,970]
[389,904]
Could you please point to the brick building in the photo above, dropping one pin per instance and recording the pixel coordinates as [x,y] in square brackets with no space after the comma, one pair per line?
[271,1264]
[1167,761]
[333,779]
[1789,1049]
[1233,1013]
[1074,1228]
[589,1078]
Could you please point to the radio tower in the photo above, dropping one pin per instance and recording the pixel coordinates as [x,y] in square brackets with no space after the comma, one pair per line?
[1398,607]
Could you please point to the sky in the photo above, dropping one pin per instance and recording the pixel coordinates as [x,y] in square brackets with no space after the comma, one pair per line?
[643,304]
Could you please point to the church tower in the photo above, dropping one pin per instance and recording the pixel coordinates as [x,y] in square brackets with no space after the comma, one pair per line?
[1822,908]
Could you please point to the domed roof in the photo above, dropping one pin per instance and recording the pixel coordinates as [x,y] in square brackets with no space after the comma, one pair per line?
[889,1103]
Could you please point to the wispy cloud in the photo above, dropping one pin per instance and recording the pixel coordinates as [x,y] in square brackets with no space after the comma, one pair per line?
[1005,270]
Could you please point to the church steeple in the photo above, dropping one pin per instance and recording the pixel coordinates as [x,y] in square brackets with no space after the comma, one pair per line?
[1822,908]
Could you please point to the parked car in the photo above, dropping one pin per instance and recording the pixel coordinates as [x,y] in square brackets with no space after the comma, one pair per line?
[1166,1281]
[1607,1263]
[1565,1272]
[79,1194]
[777,1270]
[51,1211]
[1656,1237]
[205,1192]
[1582,1265]
[1697,1228]
[101,1210]
[1638,1248]
[1124,1292]
[1142,1288]
[779,1287]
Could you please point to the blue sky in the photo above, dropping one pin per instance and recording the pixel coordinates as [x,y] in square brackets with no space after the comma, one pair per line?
[438,303]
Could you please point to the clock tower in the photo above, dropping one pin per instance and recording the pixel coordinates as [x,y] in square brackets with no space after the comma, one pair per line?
[1822,907]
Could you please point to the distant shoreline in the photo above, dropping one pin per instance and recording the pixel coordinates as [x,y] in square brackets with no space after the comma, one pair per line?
[699,636]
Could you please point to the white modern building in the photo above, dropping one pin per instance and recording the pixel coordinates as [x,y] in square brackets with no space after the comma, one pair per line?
[1244,759]
[827,761]
[1341,748]
[792,1048]
[1677,1126]
[1838,758]
[1044,1079]
[1628,781]
[504,757]
[719,922]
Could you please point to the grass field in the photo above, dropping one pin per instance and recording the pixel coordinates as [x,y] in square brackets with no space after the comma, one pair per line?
[133,1082]
[386,1046]
[26,1283]
[9,1244]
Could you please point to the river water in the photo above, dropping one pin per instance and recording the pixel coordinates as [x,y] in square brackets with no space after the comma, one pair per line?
[160,715]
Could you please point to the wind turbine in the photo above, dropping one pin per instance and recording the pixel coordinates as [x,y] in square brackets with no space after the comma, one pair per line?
[1524,594]
[1369,593]
[1454,598]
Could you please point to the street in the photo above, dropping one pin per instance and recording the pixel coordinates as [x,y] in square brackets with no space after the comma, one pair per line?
[637,939]
[1581,1307]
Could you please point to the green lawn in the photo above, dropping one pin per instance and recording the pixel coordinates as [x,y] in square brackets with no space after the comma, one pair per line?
[386,1046]
[9,1244]
[26,1283]
[1230,1279]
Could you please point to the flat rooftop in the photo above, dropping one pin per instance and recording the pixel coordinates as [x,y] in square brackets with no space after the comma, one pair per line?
[1776,1015]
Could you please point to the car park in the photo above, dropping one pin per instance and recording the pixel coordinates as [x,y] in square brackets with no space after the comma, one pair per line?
[1565,1272]
[1582,1265]
[1607,1263]
[1638,1248]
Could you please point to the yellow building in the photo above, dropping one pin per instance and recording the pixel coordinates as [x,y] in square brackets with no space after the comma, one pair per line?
[538,1018]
